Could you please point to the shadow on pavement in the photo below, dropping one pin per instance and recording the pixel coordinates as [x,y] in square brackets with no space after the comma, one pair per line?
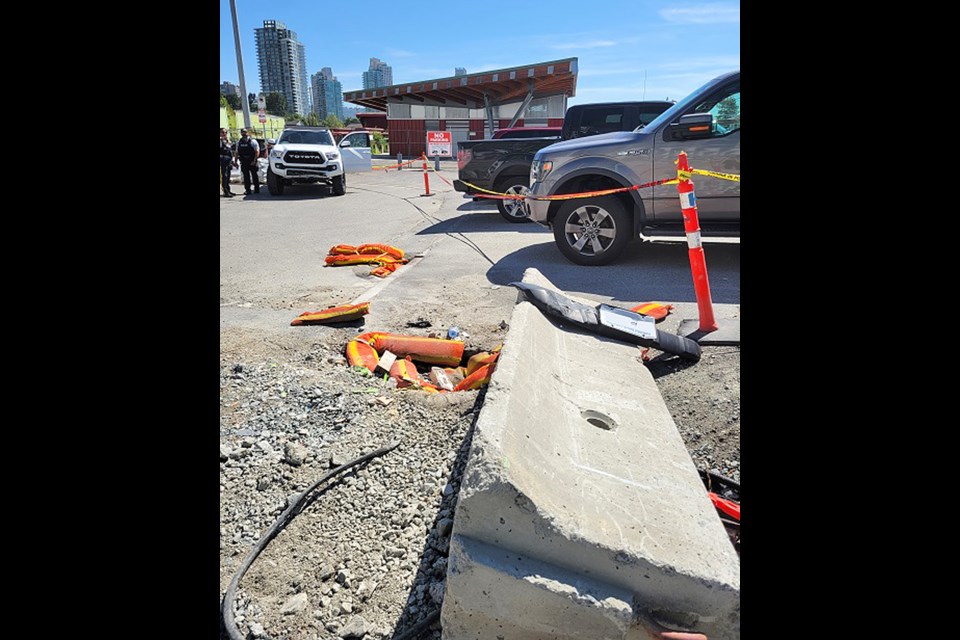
[481,221]
[646,271]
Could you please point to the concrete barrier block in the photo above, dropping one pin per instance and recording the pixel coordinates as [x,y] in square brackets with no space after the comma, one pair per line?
[578,472]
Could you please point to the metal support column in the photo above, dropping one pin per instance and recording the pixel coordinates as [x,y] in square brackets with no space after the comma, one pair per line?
[523,105]
[489,108]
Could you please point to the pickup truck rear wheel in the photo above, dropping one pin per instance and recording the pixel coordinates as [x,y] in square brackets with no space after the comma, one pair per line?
[592,231]
[274,183]
[340,184]
[513,210]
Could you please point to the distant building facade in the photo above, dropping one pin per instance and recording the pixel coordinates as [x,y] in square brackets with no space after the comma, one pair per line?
[227,87]
[327,94]
[459,71]
[283,65]
[379,75]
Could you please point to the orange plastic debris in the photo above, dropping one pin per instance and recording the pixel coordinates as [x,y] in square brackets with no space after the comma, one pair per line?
[384,270]
[481,359]
[407,375]
[655,310]
[361,354]
[476,379]
[333,314]
[371,248]
[428,350]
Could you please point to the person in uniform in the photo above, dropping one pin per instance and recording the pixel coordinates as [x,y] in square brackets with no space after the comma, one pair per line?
[226,161]
[248,150]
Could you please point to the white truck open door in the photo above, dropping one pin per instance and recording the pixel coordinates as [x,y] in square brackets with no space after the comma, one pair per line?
[356,153]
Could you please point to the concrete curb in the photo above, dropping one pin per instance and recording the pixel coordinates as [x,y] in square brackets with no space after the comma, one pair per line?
[580,509]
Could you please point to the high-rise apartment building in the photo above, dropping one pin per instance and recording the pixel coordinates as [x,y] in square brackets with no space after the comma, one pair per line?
[283,65]
[379,75]
[327,94]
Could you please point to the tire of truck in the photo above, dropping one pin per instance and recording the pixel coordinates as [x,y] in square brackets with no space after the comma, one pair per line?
[513,210]
[592,231]
[274,183]
[339,186]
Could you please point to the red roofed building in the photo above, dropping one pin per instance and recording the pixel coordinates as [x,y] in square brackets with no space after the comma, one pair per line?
[471,106]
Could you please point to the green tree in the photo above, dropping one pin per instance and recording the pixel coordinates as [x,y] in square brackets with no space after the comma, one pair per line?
[294,118]
[312,120]
[379,143]
[252,101]
[276,102]
[233,100]
[728,112]
[332,121]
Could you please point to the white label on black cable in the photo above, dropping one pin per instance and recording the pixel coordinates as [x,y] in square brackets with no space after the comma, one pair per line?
[628,322]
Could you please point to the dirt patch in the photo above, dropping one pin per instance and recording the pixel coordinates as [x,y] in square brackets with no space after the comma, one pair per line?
[369,555]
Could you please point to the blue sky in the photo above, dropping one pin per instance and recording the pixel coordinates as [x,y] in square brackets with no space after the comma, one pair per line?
[680,45]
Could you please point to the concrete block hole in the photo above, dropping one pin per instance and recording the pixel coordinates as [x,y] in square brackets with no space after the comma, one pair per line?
[599,420]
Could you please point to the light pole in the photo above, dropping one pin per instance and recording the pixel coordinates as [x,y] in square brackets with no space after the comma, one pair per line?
[243,83]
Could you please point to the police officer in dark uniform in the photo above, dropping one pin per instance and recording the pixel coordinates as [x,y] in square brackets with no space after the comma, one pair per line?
[226,160]
[248,150]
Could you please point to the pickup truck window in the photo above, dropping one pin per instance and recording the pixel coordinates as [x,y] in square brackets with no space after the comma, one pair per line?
[727,113]
[599,120]
[724,104]
[357,140]
[306,137]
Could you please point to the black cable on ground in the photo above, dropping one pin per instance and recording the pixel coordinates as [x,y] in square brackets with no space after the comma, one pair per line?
[431,218]
[296,505]
[420,627]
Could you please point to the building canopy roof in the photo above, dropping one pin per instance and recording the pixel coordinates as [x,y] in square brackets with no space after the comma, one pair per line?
[501,86]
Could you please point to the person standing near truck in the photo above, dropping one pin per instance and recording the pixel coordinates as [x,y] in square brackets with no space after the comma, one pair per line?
[226,160]
[248,150]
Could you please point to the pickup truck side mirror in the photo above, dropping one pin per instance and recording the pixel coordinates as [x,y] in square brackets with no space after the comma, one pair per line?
[694,126]
[345,144]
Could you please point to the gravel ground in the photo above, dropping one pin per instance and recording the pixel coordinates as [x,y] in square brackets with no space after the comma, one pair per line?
[367,559]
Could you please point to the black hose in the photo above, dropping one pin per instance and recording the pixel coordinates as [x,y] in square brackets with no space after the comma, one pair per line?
[293,509]
[420,627]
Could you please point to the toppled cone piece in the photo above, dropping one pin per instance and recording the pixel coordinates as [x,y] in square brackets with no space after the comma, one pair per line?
[364,351]
[655,310]
[389,258]
[367,249]
[345,313]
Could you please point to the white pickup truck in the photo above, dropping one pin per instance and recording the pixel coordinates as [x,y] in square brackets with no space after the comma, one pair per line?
[305,155]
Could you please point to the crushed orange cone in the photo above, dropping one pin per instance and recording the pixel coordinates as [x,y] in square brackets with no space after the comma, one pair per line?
[654,310]
[345,313]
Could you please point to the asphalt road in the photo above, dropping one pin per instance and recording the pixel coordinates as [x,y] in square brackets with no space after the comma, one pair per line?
[272,250]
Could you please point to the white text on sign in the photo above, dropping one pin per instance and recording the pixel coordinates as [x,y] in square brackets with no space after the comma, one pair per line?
[439,143]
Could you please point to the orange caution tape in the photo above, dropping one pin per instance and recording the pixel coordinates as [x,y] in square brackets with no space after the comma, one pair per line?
[333,314]
[394,166]
[495,195]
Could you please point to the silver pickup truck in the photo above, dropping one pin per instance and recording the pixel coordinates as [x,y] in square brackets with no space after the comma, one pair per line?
[595,230]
